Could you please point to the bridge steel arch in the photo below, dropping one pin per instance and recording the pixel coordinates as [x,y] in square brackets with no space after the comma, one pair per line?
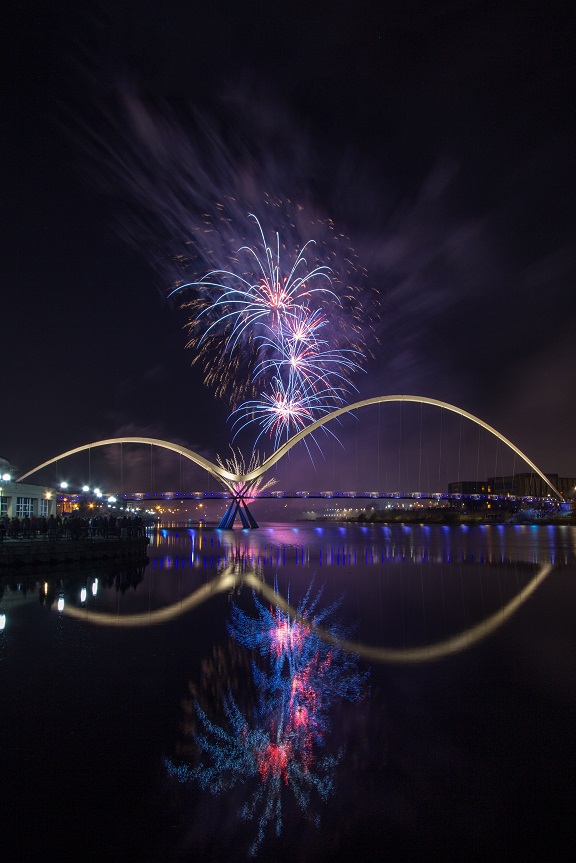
[423,400]
[220,473]
[228,478]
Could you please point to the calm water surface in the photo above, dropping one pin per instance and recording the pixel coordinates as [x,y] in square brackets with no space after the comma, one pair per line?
[458,745]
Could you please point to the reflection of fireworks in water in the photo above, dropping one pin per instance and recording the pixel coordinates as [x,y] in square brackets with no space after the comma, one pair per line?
[264,309]
[292,647]
[281,747]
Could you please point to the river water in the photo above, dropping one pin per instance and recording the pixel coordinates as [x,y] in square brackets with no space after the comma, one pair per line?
[432,716]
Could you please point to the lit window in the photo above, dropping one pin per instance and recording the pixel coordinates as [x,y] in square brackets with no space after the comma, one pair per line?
[24,506]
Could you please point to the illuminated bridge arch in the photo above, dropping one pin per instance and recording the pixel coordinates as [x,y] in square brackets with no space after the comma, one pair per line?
[240,485]
[220,473]
[377,400]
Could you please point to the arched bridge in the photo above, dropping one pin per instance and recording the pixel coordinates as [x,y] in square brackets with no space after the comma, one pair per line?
[240,486]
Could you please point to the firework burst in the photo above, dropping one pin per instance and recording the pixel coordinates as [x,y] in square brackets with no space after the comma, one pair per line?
[295,351]
[276,312]
[278,309]
[287,409]
[287,303]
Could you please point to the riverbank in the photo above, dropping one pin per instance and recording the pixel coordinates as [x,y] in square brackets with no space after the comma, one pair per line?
[456,517]
[17,553]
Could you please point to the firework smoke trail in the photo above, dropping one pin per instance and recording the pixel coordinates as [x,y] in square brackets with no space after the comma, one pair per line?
[195,185]
[298,679]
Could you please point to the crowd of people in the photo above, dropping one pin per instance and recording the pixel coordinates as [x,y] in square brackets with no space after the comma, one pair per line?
[71,527]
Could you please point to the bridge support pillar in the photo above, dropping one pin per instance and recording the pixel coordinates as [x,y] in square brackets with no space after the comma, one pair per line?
[239,507]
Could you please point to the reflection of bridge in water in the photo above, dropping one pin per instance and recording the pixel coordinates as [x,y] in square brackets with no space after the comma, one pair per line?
[236,576]
[425,592]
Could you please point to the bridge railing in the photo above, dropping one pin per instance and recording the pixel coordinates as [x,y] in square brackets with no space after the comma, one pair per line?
[143,497]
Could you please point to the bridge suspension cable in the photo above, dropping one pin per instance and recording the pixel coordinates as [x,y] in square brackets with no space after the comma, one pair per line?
[423,400]
[228,478]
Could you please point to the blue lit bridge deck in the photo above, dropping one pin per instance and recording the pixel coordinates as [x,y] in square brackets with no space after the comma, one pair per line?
[145,497]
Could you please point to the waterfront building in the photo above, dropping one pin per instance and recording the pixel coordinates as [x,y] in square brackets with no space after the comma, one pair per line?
[19,499]
[470,486]
[527,484]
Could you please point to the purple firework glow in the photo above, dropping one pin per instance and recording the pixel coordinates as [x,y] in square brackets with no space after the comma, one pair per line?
[280,321]
[278,312]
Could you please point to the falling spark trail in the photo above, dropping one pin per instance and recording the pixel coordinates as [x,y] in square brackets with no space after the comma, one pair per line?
[267,312]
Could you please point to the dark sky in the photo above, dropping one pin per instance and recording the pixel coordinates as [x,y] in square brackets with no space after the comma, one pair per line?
[439,137]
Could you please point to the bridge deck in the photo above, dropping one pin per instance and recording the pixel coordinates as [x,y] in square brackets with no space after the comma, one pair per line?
[142,497]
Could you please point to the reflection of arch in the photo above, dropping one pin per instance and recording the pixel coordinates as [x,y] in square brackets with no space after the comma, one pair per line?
[423,400]
[230,578]
[226,581]
[455,644]
[225,476]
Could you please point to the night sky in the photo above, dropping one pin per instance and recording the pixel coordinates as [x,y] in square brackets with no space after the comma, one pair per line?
[438,136]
